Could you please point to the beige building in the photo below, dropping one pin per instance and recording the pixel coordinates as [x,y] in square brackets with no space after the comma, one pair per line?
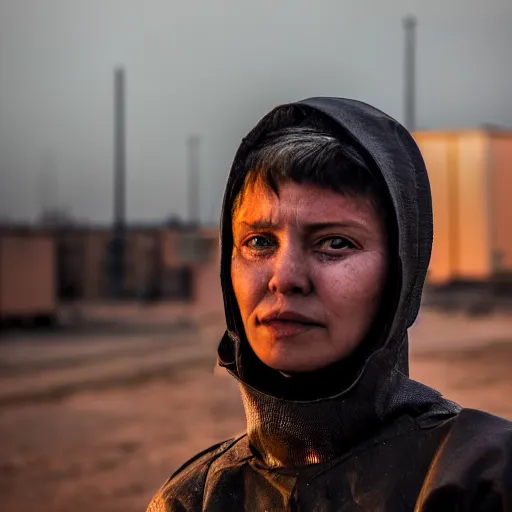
[471,179]
[27,275]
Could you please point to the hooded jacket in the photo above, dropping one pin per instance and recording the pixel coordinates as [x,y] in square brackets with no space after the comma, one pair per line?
[378,442]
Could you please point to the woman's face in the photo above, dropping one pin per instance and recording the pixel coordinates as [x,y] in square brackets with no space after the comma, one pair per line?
[308,268]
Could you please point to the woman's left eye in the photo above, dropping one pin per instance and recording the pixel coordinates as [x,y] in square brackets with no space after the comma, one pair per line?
[336,243]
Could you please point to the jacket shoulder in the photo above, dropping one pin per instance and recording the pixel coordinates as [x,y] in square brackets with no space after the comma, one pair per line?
[183,490]
[477,433]
[476,423]
[473,465]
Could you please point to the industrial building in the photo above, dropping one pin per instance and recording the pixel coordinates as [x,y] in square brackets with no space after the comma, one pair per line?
[42,268]
[27,276]
[470,173]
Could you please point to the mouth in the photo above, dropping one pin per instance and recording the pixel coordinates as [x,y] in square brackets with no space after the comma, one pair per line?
[281,329]
[288,324]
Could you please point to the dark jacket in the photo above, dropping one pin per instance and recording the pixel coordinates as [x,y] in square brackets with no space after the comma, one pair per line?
[381,441]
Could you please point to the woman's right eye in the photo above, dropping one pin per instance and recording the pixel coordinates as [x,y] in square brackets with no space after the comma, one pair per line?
[258,242]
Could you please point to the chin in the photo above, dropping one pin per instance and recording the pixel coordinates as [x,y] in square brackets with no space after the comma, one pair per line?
[291,364]
[304,353]
[291,358]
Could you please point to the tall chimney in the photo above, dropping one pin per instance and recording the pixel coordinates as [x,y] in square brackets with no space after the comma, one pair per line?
[117,248]
[410,24]
[194,213]
[119,151]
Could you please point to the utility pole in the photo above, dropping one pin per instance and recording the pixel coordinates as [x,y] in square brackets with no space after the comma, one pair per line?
[410,23]
[119,186]
[194,213]
[119,151]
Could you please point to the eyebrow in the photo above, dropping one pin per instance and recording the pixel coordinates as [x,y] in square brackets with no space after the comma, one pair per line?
[260,224]
[310,227]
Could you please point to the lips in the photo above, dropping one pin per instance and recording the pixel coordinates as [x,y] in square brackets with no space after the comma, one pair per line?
[286,324]
[288,316]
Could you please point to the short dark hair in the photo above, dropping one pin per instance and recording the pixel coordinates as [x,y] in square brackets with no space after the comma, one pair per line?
[313,155]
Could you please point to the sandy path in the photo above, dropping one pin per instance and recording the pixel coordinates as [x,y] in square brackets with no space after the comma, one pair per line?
[109,450]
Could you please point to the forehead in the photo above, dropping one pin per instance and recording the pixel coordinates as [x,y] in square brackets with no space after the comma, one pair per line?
[303,204]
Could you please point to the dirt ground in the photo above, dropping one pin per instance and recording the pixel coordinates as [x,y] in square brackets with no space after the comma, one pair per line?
[110,450]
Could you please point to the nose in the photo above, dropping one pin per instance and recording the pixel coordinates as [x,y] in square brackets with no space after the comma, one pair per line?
[290,273]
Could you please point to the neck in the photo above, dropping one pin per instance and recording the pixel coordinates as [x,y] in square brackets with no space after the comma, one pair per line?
[287,433]
[290,432]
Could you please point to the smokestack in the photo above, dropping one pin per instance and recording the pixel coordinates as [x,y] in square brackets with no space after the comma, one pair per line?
[117,248]
[410,24]
[193,181]
[119,151]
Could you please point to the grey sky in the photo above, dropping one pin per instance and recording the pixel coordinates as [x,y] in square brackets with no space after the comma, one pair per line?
[214,67]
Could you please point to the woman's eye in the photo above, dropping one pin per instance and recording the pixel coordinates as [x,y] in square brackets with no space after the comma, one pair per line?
[336,243]
[259,242]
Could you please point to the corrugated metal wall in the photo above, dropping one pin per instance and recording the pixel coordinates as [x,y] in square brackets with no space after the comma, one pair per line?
[501,208]
[27,275]
[471,180]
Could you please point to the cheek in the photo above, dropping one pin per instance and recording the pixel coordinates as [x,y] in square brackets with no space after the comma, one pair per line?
[352,285]
[249,284]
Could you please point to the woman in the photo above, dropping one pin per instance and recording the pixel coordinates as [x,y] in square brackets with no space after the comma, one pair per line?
[326,237]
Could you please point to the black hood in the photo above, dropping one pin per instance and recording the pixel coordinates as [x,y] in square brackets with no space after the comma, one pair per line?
[298,432]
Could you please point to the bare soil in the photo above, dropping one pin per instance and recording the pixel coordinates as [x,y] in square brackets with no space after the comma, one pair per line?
[109,450]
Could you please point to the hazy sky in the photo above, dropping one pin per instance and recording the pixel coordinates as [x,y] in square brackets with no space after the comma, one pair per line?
[213,68]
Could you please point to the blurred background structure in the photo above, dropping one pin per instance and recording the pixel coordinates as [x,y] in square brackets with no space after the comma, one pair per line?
[110,301]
